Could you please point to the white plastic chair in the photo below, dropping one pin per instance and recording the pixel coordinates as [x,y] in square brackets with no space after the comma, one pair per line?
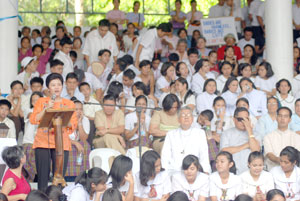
[133,153]
[103,155]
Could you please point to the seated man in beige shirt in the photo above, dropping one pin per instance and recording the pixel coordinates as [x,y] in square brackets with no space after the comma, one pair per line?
[110,126]
[277,140]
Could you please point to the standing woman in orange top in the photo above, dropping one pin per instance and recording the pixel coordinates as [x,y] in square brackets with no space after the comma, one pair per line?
[44,141]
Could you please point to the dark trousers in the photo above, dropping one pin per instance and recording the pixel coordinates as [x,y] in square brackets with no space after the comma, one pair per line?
[258,32]
[43,158]
[296,34]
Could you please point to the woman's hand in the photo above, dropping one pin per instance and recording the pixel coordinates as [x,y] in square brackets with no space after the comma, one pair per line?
[128,177]
[79,147]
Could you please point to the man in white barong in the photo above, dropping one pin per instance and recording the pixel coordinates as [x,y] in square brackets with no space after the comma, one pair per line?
[184,141]
[277,140]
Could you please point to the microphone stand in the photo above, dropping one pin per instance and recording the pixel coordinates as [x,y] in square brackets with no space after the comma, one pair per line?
[139,112]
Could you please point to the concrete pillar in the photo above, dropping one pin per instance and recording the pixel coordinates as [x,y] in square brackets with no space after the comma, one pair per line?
[279,37]
[8,44]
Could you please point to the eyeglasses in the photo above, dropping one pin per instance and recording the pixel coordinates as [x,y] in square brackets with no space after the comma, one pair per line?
[186,115]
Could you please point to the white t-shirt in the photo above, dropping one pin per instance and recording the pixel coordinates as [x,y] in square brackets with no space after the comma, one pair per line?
[242,43]
[76,193]
[89,110]
[233,187]
[216,11]
[146,41]
[130,122]
[160,84]
[198,15]
[230,99]
[296,85]
[161,182]
[257,102]
[30,129]
[237,12]
[265,182]
[198,82]
[296,14]
[205,101]
[68,63]
[94,43]
[93,81]
[86,127]
[221,80]
[287,185]
[200,187]
[253,10]
[268,84]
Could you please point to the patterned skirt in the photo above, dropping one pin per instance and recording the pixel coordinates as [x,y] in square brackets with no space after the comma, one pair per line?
[145,141]
[30,161]
[73,169]
[213,151]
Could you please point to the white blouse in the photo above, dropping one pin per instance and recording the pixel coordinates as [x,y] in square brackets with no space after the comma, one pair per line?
[290,186]
[161,182]
[228,191]
[198,82]
[257,102]
[200,187]
[221,80]
[160,84]
[230,100]
[205,102]
[288,102]
[131,120]
[265,183]
[268,84]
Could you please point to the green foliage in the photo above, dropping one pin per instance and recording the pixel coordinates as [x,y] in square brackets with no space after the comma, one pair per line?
[155,11]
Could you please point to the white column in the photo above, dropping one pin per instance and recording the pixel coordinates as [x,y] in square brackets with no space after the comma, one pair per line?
[8,44]
[279,37]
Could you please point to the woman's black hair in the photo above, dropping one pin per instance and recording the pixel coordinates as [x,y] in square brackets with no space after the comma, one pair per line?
[189,160]
[141,97]
[254,155]
[228,82]
[148,166]
[54,76]
[178,196]
[272,193]
[93,176]
[37,195]
[249,80]
[253,58]
[12,156]
[222,64]
[156,56]
[37,46]
[55,193]
[165,67]
[168,102]
[298,68]
[40,94]
[112,194]
[292,154]
[144,63]
[180,30]
[25,37]
[115,88]
[77,38]
[241,67]
[189,92]
[230,159]
[243,197]
[141,86]
[208,113]
[242,100]
[297,101]
[120,167]
[178,67]
[208,81]
[268,68]
[101,52]
[283,80]
[3,197]
[199,64]
[218,98]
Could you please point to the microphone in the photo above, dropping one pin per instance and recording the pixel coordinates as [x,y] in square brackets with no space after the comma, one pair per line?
[53,97]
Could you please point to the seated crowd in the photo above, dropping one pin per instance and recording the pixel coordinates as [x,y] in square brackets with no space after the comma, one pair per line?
[215,123]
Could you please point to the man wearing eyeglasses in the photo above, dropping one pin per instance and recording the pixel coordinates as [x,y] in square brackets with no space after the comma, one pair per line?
[275,141]
[240,140]
[184,141]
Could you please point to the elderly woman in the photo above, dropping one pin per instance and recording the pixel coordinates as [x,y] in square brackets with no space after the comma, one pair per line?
[164,121]
[44,142]
[14,185]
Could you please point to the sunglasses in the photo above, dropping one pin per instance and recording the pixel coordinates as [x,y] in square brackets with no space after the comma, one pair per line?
[240,119]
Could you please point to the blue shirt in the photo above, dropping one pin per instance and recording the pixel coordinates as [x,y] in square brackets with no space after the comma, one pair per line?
[77,94]
[265,125]
[295,123]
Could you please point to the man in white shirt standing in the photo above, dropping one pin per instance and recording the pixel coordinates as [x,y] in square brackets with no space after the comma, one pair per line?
[277,140]
[217,10]
[146,46]
[247,40]
[232,10]
[184,141]
[64,55]
[253,12]
[97,40]
[296,19]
